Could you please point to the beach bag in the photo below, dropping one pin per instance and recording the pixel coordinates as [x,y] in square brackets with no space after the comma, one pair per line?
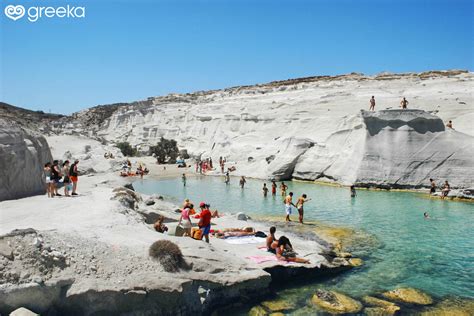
[196,233]
[260,234]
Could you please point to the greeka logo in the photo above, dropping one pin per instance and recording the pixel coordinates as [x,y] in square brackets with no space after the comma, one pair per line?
[16,12]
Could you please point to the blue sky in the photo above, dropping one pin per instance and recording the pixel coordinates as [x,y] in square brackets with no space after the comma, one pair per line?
[129,50]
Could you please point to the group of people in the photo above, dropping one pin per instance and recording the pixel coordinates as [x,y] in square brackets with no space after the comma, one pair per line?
[59,174]
[282,248]
[202,166]
[403,103]
[204,223]
[127,169]
[444,191]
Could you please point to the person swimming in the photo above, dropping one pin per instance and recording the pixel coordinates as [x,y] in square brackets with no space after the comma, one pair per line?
[426,215]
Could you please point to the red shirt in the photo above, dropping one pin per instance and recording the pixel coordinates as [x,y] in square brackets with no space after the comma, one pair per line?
[205,218]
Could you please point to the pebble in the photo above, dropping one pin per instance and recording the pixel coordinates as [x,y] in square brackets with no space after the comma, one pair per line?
[37,279]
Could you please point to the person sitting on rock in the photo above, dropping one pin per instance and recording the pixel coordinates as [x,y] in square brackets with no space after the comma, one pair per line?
[284,251]
[270,239]
[450,124]
[159,226]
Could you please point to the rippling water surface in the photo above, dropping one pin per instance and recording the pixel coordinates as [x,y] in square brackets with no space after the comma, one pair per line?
[434,255]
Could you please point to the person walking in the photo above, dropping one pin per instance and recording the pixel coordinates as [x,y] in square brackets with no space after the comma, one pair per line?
[73,175]
[299,206]
[372,104]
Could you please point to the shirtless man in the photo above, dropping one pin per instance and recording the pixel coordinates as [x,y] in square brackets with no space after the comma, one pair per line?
[433,186]
[299,206]
[270,239]
[265,189]
[372,104]
[450,124]
[288,205]
[403,103]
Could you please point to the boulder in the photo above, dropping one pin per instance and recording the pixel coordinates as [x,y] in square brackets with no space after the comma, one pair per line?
[242,216]
[277,305]
[5,250]
[258,311]
[451,307]
[408,295]
[381,311]
[335,302]
[22,312]
[23,154]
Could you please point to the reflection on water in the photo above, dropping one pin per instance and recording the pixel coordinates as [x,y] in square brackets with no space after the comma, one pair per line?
[434,255]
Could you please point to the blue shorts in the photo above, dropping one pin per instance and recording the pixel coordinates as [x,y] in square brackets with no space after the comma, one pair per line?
[206,230]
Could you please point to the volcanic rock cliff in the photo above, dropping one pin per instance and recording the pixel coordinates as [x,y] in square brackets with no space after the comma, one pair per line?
[22,156]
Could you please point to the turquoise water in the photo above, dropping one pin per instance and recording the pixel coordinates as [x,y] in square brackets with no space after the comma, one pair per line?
[434,255]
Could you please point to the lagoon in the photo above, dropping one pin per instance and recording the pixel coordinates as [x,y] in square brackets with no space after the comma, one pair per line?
[434,255]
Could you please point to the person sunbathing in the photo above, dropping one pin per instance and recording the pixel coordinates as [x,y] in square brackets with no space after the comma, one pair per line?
[284,251]
[234,232]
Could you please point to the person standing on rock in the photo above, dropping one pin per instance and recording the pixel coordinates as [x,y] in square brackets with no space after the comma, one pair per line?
[274,188]
[73,175]
[433,187]
[404,103]
[288,205]
[446,189]
[205,221]
[372,104]
[242,182]
[265,190]
[299,206]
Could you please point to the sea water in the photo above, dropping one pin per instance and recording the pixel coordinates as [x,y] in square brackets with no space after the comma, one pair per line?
[434,255]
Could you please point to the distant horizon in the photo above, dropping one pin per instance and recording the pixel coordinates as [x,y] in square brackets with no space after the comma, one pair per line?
[122,51]
[228,87]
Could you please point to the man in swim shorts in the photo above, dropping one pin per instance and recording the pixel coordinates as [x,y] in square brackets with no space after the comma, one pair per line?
[404,103]
[205,221]
[372,104]
[299,206]
[433,186]
[288,205]
[73,175]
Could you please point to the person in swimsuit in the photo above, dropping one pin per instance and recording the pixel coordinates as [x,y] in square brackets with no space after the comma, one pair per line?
[242,182]
[426,215]
[299,206]
[404,103]
[265,189]
[274,188]
[288,205]
[372,104]
[283,188]
[227,177]
[284,251]
[270,239]
[450,124]
[433,186]
[183,178]
[353,191]
[445,190]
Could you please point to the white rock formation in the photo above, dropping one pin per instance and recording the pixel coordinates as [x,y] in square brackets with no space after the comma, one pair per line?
[265,129]
[22,157]
[391,148]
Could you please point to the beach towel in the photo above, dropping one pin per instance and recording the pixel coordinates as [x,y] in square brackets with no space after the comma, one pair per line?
[244,240]
[261,259]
